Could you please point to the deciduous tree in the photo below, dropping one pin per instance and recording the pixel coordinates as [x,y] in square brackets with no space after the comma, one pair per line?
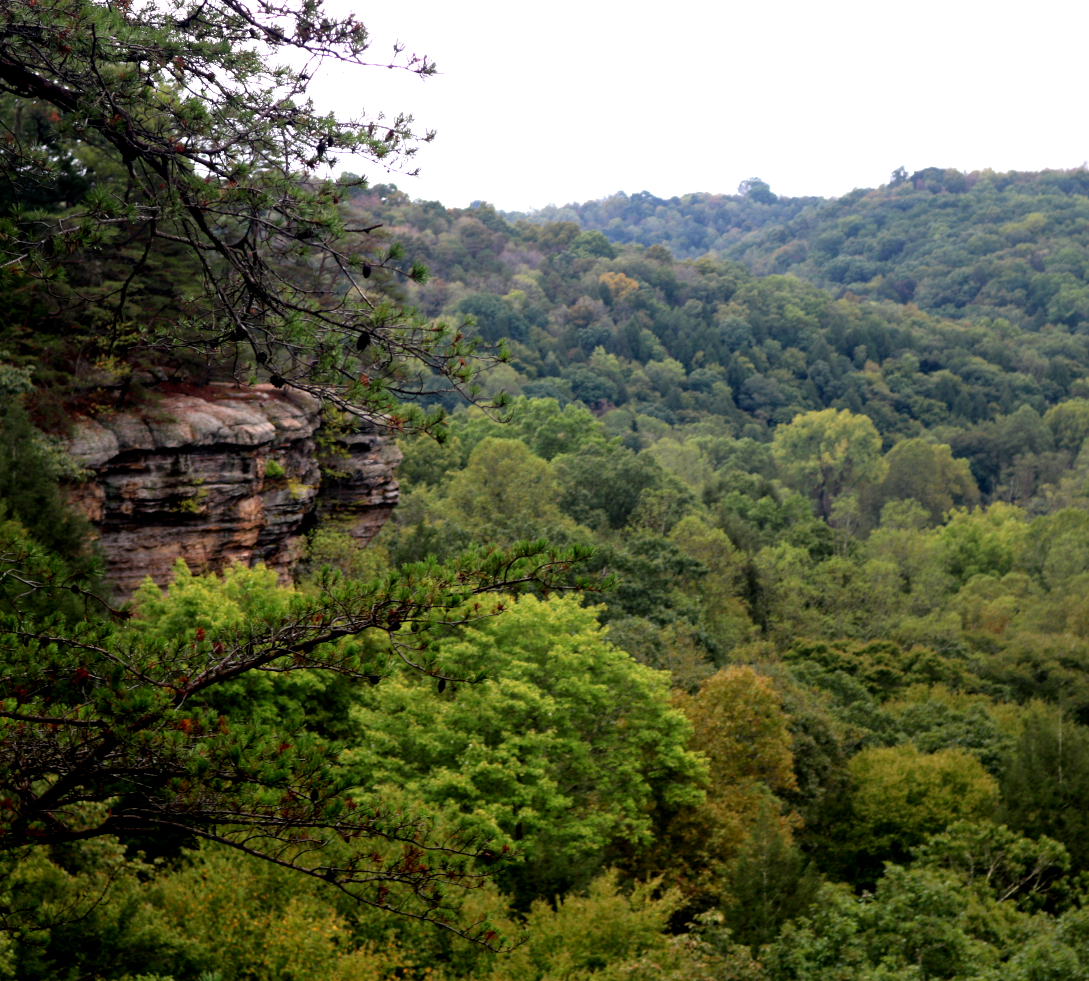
[927,473]
[828,453]
[98,715]
[562,746]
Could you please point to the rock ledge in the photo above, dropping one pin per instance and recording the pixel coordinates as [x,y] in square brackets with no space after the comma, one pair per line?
[228,475]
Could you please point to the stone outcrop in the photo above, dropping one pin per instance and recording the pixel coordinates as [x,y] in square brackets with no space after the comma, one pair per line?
[225,474]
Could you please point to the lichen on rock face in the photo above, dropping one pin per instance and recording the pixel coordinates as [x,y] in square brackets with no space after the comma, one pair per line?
[186,477]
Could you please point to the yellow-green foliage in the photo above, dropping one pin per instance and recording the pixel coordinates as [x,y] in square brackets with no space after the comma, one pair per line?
[984,541]
[828,453]
[684,459]
[215,608]
[901,795]
[504,486]
[601,935]
[561,749]
[274,469]
[252,921]
[428,463]
[210,603]
[83,910]
[338,550]
[725,616]
[230,914]
[1069,421]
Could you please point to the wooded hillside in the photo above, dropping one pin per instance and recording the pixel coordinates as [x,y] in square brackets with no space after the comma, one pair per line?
[733,622]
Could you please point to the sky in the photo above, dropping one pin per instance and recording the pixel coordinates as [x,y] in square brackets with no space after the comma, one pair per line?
[539,104]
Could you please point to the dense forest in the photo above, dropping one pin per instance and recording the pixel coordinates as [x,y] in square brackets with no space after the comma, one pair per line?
[733,622]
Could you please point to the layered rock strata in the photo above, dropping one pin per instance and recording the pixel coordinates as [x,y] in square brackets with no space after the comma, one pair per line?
[227,474]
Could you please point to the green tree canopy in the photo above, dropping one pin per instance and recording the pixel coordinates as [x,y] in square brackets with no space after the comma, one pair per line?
[1069,421]
[560,747]
[505,491]
[99,713]
[601,482]
[829,453]
[927,473]
[901,795]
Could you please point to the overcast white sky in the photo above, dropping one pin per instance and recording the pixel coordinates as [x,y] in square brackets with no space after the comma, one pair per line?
[568,101]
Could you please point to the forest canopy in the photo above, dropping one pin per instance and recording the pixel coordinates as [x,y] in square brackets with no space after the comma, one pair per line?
[143,140]
[732,623]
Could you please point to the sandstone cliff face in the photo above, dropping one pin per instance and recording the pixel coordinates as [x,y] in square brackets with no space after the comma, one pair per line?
[230,474]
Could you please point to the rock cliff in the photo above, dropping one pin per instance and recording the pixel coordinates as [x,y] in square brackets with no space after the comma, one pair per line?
[225,474]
